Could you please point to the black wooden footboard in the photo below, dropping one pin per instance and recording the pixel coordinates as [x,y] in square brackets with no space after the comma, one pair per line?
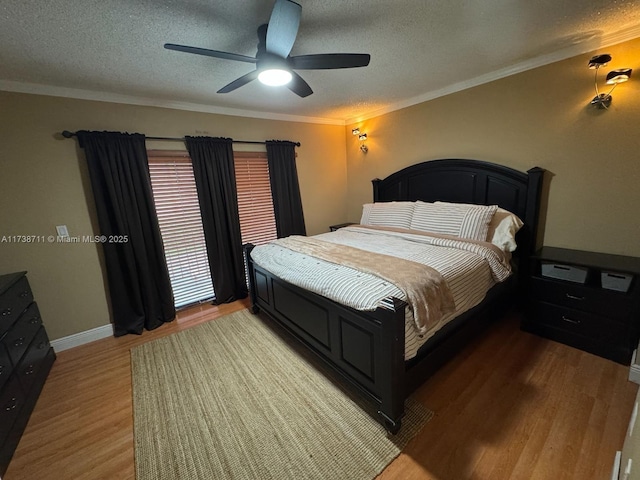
[365,348]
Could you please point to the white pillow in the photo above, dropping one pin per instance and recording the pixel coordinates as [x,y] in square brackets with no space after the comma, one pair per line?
[503,229]
[458,219]
[387,214]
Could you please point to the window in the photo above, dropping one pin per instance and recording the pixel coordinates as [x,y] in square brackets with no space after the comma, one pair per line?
[255,204]
[176,199]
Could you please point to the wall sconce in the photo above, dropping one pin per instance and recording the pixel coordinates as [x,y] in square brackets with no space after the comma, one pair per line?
[362,137]
[614,77]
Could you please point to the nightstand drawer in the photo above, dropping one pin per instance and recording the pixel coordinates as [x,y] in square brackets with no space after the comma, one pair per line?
[610,303]
[577,322]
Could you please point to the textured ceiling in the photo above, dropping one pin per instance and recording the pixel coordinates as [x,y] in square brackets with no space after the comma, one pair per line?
[113,49]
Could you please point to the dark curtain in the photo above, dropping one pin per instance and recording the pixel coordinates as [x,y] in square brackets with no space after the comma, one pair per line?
[214,172]
[139,286]
[287,204]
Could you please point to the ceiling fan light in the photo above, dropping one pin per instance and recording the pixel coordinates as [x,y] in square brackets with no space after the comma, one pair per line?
[275,77]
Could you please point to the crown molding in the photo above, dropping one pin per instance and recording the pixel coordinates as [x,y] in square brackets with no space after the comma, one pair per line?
[590,45]
[594,43]
[76,93]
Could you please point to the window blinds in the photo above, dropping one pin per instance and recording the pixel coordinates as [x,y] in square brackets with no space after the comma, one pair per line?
[255,204]
[176,199]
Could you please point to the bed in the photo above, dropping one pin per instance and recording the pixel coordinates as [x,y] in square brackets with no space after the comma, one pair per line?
[368,348]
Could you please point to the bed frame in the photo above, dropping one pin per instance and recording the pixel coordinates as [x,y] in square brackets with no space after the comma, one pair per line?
[367,348]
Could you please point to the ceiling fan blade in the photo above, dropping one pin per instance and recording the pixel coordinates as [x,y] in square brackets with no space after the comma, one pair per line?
[210,53]
[299,86]
[239,82]
[283,27]
[329,61]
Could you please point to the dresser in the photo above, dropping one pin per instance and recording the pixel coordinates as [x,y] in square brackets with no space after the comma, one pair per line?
[25,360]
[588,300]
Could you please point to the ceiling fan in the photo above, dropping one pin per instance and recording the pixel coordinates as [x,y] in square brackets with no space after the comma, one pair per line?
[274,66]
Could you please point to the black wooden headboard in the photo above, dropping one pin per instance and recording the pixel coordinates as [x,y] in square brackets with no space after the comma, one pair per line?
[470,181]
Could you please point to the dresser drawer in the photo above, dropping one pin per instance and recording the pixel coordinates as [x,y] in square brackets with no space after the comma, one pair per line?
[615,305]
[20,336]
[33,359]
[13,303]
[11,400]
[5,365]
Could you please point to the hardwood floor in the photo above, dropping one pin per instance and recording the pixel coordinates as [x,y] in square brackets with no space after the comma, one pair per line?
[510,406]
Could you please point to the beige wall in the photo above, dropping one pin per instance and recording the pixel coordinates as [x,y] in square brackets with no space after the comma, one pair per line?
[44,183]
[536,118]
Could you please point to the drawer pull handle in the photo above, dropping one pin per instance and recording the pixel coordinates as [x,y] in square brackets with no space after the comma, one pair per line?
[571,320]
[29,370]
[6,312]
[24,294]
[13,405]
[18,342]
[573,297]
[34,320]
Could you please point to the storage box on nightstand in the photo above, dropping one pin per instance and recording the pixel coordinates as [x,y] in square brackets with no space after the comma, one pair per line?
[616,281]
[570,273]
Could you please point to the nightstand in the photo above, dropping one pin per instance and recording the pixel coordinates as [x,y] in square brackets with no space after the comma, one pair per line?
[588,300]
[333,228]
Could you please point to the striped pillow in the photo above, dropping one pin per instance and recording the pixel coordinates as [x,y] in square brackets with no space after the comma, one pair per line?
[387,214]
[457,219]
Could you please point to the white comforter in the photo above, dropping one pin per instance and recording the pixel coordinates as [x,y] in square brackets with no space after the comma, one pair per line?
[470,270]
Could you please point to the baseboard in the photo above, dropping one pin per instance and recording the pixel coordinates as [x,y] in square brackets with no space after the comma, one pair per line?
[77,339]
[615,470]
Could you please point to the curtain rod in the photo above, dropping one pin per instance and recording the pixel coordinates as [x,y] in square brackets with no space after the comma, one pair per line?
[68,134]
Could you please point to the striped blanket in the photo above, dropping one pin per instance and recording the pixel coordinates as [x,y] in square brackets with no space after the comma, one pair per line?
[469,269]
[426,291]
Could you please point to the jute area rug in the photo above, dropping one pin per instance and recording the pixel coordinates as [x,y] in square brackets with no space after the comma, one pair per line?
[230,399]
